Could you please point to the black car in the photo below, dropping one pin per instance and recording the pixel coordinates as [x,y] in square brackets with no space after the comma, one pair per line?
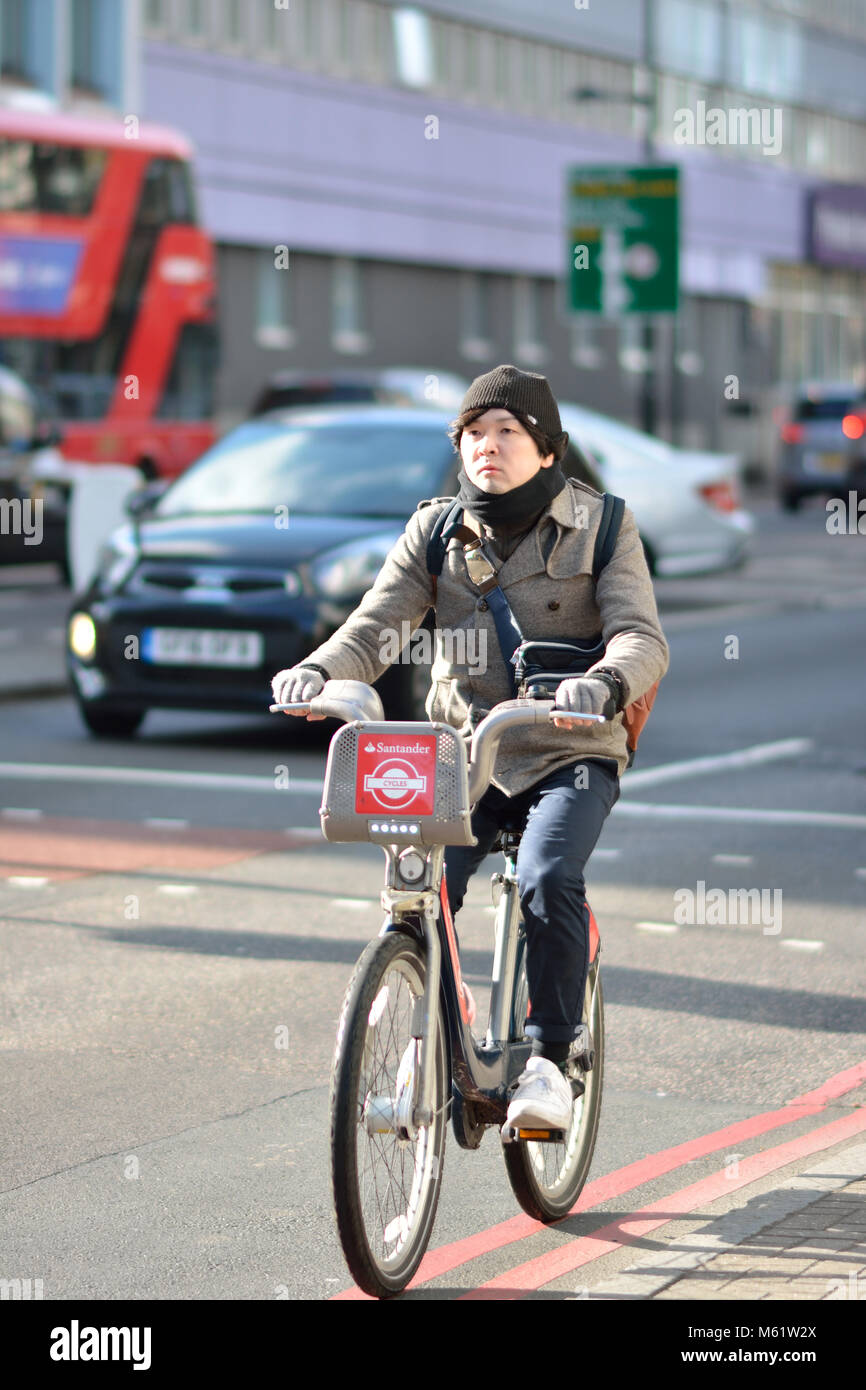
[252,558]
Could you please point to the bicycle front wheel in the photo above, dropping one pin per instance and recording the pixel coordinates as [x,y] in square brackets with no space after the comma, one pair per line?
[386,1173]
[548,1178]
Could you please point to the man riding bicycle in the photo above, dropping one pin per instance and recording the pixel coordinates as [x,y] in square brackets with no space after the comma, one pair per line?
[561,783]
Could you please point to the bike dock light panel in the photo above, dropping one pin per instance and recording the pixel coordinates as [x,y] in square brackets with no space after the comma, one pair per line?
[397,783]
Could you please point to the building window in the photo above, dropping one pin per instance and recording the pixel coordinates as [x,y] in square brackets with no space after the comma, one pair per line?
[528,335]
[270,30]
[84,45]
[344,22]
[154,14]
[13,40]
[413,46]
[586,350]
[632,354]
[310,30]
[194,19]
[475,316]
[273,299]
[347,318]
[529,73]
[233,21]
[501,69]
[375,43]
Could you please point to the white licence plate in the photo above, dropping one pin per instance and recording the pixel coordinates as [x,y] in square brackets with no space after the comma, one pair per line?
[182,646]
[825,463]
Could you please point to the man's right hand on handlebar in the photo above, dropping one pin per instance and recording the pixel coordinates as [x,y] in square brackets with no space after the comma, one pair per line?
[296,684]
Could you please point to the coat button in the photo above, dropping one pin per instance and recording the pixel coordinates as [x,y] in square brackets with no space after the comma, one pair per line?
[481,605]
[553,604]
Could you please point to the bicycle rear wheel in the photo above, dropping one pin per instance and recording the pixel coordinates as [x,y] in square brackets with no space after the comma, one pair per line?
[548,1178]
[386,1176]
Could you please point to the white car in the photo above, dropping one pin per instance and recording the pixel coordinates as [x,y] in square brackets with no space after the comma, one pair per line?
[686,503]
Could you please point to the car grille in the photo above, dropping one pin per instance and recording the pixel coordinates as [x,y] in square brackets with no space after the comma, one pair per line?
[183,578]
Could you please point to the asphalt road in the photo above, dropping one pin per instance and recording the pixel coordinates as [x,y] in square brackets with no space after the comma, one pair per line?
[160,933]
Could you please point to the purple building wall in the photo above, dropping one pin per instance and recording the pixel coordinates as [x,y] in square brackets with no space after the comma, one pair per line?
[344,168]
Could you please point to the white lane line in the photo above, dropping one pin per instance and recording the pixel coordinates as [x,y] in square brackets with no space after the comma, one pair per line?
[860,873]
[733,859]
[20,813]
[26,881]
[651,811]
[178,890]
[159,777]
[797,943]
[356,904]
[606,853]
[668,928]
[165,823]
[304,832]
[723,762]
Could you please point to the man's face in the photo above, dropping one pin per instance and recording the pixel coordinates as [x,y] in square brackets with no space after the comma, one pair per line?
[497,452]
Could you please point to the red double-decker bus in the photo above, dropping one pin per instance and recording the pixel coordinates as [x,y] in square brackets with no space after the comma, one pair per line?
[107,287]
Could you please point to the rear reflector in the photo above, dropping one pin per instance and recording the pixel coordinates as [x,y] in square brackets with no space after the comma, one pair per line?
[792,434]
[721,495]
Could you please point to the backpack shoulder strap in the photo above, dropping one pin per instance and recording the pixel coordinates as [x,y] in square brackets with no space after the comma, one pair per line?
[608,531]
[445,525]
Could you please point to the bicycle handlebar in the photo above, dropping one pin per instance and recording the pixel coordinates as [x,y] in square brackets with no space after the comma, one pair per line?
[346,700]
[350,700]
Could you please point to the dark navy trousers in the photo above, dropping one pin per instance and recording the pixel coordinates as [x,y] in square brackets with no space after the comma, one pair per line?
[562,822]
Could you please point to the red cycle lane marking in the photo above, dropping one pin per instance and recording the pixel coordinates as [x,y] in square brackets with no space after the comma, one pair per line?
[622,1180]
[525,1278]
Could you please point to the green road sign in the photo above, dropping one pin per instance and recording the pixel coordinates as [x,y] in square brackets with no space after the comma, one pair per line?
[623,239]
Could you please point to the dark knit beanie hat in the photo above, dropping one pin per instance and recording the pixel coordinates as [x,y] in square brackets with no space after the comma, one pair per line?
[524,393]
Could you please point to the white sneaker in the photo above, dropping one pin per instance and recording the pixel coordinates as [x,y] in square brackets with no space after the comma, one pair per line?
[543,1099]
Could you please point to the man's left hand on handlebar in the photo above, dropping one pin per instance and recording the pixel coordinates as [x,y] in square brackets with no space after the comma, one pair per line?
[583,695]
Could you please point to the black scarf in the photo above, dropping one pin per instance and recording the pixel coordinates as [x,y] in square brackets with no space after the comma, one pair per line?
[521,503]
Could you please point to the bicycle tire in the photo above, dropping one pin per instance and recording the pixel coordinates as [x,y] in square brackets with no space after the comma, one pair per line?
[386,1188]
[547,1178]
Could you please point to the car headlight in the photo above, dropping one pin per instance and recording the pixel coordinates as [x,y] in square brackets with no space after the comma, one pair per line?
[353,568]
[82,636]
[117,559]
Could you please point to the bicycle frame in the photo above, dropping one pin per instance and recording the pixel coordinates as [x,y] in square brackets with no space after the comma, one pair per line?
[482,1071]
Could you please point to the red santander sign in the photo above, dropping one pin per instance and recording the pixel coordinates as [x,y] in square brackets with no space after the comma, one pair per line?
[396,773]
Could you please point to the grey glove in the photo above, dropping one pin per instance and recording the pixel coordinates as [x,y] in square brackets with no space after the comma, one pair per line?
[297,683]
[583,695]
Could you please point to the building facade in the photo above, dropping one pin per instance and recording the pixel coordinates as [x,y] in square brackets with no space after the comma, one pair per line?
[386,183]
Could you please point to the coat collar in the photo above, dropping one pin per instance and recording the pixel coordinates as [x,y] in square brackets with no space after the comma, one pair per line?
[565,555]
[569,511]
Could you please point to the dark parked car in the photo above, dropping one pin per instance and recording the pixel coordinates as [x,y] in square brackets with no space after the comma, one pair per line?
[823,443]
[252,558]
[381,386]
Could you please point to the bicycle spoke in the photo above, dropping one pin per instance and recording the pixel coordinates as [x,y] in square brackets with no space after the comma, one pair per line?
[391,1171]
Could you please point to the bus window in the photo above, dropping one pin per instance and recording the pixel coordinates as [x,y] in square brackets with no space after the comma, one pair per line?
[39,176]
[188,393]
[166,195]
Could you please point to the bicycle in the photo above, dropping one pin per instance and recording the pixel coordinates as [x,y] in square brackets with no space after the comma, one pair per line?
[405,1050]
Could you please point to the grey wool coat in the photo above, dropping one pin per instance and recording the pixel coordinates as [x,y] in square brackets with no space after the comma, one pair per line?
[548,583]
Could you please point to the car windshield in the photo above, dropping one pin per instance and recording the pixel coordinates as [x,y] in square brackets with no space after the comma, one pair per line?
[828,408]
[347,469]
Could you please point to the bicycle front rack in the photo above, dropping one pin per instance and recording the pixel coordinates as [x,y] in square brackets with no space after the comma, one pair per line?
[397,783]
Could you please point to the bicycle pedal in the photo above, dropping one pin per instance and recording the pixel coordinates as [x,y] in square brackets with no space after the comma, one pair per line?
[514,1134]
